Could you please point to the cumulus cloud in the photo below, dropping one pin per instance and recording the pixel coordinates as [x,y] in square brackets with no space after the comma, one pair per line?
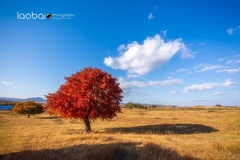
[232,31]
[208,86]
[129,86]
[139,59]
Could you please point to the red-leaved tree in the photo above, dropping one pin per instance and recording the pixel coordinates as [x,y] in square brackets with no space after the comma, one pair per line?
[87,94]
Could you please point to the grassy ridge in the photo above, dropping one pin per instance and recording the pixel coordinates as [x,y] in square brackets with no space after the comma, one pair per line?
[134,134]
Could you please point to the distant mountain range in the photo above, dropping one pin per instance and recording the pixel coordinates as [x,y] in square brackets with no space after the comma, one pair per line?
[36,99]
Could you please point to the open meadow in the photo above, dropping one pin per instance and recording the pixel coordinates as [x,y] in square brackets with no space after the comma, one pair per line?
[170,133]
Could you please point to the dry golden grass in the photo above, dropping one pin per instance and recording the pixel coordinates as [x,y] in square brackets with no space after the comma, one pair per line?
[210,133]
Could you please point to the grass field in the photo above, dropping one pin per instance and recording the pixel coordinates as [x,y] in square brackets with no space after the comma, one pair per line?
[135,134]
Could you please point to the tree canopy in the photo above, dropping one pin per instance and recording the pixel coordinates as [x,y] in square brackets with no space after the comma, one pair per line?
[28,107]
[88,94]
[133,105]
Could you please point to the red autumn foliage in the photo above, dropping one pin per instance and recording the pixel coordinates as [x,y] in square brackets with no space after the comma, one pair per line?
[87,94]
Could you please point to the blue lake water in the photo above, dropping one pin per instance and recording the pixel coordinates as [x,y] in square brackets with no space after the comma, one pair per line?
[5,107]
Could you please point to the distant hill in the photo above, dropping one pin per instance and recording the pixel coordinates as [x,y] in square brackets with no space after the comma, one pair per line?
[36,99]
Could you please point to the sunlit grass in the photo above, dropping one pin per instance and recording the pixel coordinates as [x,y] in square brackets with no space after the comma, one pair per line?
[170,133]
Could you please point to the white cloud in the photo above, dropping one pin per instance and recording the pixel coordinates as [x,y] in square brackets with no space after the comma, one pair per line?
[164,33]
[208,86]
[150,16]
[219,93]
[7,83]
[230,61]
[174,92]
[207,67]
[199,87]
[139,59]
[228,83]
[232,31]
[233,70]
[121,48]
[129,86]
[169,82]
[182,70]
[230,71]
[132,84]
[186,53]
[227,66]
[222,59]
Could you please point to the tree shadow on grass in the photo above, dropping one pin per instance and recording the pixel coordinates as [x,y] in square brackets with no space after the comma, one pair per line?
[112,151]
[48,117]
[165,129]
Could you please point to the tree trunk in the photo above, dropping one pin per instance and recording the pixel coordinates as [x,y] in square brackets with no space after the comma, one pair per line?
[28,115]
[87,124]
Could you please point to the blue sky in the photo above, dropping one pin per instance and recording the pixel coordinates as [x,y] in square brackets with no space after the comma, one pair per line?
[178,52]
